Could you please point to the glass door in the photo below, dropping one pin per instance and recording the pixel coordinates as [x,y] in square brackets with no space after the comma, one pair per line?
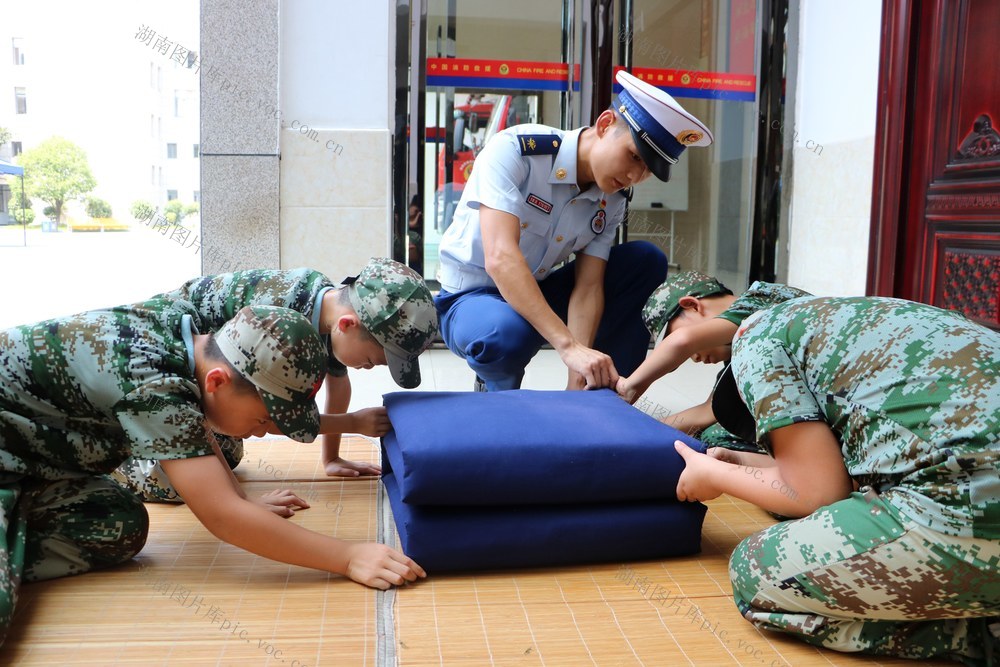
[703,53]
[476,67]
[486,66]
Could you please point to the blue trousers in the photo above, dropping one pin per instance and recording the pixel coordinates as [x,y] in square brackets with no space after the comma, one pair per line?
[481,327]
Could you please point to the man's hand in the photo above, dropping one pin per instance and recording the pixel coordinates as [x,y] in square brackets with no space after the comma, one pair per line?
[698,481]
[378,566]
[596,368]
[339,467]
[282,502]
[373,422]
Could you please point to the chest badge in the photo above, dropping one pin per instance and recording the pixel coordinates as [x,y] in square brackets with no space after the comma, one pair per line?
[539,203]
[598,222]
[600,218]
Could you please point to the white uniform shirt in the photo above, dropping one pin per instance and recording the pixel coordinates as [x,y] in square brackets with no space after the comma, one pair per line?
[556,218]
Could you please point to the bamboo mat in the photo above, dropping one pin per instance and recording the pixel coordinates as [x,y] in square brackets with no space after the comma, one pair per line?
[188,599]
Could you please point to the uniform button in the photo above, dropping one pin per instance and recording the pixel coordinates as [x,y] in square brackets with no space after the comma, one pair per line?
[540,271]
[559,239]
[524,225]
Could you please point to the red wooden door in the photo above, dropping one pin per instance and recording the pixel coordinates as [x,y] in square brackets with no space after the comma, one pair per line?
[936,205]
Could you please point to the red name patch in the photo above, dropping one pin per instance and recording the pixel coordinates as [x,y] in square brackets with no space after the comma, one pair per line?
[540,204]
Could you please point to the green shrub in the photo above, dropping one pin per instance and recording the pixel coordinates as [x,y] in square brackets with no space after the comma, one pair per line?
[142,210]
[98,208]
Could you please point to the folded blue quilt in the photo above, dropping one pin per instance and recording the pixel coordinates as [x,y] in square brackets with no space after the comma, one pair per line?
[528,447]
[483,538]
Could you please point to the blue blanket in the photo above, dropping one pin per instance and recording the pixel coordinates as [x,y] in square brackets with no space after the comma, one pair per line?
[528,447]
[483,538]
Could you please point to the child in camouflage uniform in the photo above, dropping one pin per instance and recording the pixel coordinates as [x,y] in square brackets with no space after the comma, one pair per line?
[881,419]
[701,316]
[383,316]
[80,394]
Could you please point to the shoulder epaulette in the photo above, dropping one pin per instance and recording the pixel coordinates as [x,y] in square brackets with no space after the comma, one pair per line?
[539,144]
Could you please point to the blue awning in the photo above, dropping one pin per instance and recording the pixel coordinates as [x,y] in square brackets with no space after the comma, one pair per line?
[8,168]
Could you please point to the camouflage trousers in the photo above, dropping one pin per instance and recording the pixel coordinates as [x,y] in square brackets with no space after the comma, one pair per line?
[146,478]
[52,529]
[858,576]
[716,436]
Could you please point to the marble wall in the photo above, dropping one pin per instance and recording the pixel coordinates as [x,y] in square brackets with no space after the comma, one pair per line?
[334,198]
[239,135]
[296,148]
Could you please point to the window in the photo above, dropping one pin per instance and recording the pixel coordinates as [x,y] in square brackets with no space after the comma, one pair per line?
[20,100]
[15,148]
[159,173]
[177,103]
[18,43]
[197,196]
[171,195]
[152,175]
[171,151]
[197,150]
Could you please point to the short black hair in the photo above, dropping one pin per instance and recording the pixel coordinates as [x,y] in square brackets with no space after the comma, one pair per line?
[620,123]
[240,383]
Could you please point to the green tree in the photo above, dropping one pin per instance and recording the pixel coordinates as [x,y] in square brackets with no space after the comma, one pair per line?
[98,208]
[142,210]
[28,216]
[173,211]
[191,209]
[56,171]
[4,135]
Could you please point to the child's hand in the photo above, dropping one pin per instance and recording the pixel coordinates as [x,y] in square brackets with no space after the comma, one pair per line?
[697,480]
[378,566]
[627,392]
[343,468]
[372,422]
[281,502]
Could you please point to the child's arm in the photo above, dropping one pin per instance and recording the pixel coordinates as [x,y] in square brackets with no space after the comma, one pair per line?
[334,421]
[693,420]
[671,353]
[809,474]
[202,483]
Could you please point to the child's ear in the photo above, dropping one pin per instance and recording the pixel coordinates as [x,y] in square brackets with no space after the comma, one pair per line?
[690,303]
[216,378]
[346,322]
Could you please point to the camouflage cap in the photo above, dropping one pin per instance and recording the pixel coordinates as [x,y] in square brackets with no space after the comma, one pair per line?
[394,304]
[279,351]
[664,303]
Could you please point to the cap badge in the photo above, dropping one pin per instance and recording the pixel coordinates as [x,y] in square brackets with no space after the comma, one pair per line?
[688,137]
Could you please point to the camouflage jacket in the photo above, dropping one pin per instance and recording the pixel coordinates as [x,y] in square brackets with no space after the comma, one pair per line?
[79,394]
[912,393]
[759,296]
[218,297]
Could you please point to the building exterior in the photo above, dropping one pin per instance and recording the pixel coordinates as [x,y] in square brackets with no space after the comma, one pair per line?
[117,93]
[313,124]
